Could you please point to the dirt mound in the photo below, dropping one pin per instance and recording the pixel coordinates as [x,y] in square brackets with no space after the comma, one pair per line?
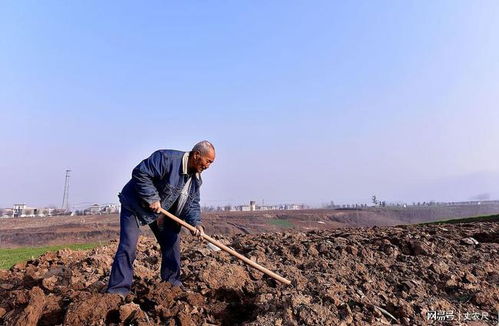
[375,276]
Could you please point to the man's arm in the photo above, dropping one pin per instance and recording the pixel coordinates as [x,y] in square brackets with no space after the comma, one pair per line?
[153,167]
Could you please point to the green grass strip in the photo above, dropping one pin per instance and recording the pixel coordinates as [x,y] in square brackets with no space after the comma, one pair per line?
[281,223]
[10,257]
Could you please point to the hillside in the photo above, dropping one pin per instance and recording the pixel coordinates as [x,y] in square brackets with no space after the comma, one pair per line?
[33,232]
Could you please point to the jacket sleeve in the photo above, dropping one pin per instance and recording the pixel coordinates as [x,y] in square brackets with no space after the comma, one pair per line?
[193,214]
[144,174]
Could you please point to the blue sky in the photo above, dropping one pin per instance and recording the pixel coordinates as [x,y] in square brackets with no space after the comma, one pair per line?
[305,101]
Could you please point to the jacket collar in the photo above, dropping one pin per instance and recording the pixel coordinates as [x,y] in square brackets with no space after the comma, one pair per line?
[185,160]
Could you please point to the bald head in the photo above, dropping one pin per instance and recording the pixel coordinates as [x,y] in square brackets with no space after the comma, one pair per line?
[204,147]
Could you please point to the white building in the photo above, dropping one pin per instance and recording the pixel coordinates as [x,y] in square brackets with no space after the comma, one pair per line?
[22,210]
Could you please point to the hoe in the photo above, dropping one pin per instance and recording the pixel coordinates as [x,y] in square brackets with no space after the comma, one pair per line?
[227,249]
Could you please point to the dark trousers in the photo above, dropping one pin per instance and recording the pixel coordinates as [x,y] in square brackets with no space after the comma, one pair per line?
[120,280]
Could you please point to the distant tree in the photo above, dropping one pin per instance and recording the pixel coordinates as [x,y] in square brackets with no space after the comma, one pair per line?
[375,200]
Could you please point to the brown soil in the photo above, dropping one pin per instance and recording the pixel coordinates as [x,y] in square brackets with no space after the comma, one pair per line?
[346,276]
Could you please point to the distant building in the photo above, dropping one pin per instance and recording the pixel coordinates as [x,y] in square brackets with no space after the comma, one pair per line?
[110,209]
[18,210]
[253,207]
[43,212]
[95,209]
[22,210]
[245,208]
[7,213]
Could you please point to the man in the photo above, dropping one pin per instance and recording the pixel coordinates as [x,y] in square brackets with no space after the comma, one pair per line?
[169,179]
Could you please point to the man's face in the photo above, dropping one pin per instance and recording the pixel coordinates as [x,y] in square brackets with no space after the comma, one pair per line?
[202,162]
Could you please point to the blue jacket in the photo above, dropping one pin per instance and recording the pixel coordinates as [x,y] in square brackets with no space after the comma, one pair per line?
[159,178]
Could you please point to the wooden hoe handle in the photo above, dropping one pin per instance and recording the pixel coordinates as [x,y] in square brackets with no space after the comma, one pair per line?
[227,249]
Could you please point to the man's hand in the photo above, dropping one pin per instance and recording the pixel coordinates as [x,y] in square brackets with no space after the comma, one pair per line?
[199,231]
[155,206]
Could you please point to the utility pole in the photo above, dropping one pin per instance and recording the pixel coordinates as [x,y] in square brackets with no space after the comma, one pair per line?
[65,196]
